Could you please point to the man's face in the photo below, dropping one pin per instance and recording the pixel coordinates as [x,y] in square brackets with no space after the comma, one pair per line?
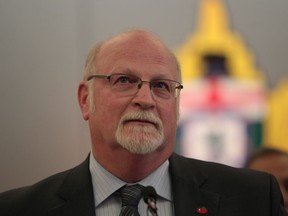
[141,122]
[277,165]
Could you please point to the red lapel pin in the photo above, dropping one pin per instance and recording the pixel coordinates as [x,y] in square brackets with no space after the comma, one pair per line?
[202,210]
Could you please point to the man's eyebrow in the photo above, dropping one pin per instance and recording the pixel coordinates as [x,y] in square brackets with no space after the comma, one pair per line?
[128,71]
[123,70]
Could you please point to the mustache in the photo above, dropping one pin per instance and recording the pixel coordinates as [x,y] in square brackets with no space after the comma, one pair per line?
[141,115]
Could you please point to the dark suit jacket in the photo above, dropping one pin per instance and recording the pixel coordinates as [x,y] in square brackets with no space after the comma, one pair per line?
[223,190]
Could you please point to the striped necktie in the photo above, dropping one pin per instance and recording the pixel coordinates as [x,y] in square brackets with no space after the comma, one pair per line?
[130,197]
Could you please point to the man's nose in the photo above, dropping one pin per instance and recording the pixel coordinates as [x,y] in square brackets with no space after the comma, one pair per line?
[139,86]
[144,96]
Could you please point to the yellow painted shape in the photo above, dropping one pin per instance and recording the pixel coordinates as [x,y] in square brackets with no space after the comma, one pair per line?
[276,123]
[213,36]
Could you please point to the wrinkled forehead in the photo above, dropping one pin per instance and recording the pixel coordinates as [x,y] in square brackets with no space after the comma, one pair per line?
[136,45]
[135,39]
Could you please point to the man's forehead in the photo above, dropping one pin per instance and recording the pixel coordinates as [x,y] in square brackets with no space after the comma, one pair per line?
[133,47]
[271,161]
[133,40]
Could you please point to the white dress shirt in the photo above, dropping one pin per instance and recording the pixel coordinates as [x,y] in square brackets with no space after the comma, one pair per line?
[107,203]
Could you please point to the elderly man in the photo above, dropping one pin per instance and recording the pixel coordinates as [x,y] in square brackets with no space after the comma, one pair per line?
[130,98]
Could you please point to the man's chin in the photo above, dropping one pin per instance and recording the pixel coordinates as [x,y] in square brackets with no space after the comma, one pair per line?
[139,139]
[139,144]
[141,150]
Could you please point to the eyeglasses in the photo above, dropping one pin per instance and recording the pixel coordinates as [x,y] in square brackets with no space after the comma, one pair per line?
[126,85]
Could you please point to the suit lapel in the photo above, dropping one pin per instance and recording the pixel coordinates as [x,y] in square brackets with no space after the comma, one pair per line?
[75,197]
[187,181]
[76,194]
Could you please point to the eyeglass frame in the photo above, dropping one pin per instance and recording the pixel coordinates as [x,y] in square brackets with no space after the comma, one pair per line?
[108,77]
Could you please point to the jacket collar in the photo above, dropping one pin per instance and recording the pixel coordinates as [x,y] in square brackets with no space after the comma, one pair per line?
[76,193]
[190,198]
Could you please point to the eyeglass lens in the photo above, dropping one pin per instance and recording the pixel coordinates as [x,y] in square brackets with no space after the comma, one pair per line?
[129,85]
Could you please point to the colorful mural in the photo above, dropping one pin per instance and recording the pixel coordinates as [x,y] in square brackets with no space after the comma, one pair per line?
[223,103]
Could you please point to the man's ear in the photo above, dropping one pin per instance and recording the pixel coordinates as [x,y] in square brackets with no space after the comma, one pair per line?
[83,99]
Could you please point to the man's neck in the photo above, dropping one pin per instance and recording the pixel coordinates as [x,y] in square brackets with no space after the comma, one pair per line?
[131,167]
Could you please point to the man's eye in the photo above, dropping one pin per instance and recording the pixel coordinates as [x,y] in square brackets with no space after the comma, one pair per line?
[123,79]
[161,85]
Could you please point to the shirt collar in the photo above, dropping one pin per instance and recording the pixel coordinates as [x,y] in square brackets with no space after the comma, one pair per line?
[105,184]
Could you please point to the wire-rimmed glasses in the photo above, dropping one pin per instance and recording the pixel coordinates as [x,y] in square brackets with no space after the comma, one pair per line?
[125,84]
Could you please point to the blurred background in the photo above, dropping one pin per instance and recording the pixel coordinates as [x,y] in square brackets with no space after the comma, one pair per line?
[234,60]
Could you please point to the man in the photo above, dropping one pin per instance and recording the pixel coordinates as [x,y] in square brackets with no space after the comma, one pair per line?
[130,98]
[272,161]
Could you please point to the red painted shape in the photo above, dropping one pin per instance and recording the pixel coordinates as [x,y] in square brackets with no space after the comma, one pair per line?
[202,210]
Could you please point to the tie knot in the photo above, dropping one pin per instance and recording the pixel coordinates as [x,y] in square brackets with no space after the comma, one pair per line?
[131,194]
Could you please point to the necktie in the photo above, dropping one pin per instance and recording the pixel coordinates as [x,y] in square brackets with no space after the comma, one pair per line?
[130,197]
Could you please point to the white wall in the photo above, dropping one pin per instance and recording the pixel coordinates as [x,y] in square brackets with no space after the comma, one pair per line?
[43,45]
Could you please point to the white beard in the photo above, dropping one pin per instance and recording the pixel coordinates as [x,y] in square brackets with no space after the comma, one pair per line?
[140,139]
